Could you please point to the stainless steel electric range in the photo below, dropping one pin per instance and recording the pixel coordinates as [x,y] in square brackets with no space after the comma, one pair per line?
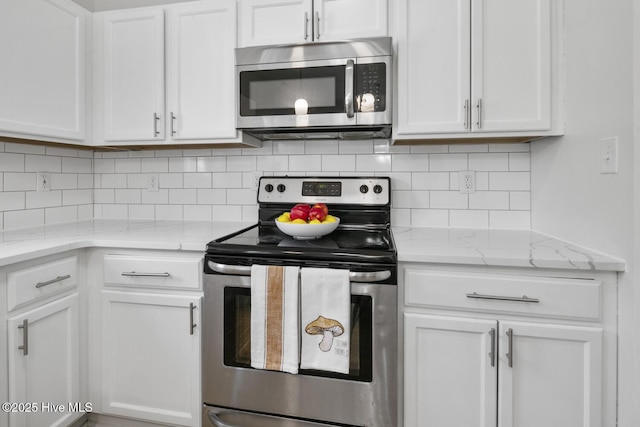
[236,395]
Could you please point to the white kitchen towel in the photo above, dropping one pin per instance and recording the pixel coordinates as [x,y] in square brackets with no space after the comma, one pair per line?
[325,299]
[275,322]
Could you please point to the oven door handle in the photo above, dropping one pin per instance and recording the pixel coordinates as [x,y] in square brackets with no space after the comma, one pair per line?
[354,276]
[216,421]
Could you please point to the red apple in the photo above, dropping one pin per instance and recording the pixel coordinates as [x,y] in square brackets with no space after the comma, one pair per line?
[317,212]
[322,206]
[300,211]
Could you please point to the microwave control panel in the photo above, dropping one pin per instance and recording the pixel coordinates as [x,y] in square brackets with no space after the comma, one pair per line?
[371,87]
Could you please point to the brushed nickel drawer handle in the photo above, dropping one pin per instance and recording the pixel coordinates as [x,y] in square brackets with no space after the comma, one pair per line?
[52,281]
[510,347]
[523,298]
[136,274]
[192,325]
[492,353]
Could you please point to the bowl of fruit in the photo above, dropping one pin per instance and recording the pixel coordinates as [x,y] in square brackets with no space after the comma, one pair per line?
[307,222]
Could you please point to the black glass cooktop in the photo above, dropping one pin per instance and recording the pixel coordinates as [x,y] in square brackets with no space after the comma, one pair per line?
[343,245]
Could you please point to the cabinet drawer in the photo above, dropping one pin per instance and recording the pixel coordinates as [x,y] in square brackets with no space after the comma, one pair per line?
[183,272]
[535,296]
[32,283]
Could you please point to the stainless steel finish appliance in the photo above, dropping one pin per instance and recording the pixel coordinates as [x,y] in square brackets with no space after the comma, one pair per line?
[338,90]
[236,395]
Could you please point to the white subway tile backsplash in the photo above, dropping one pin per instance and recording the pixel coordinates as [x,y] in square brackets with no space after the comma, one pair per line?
[197,180]
[489,162]
[218,184]
[448,162]
[154,165]
[77,165]
[430,181]
[489,200]
[373,162]
[11,162]
[33,163]
[23,219]
[513,220]
[429,217]
[12,201]
[515,181]
[60,214]
[448,200]
[15,181]
[197,213]
[339,163]
[183,196]
[43,199]
[410,162]
[519,162]
[469,219]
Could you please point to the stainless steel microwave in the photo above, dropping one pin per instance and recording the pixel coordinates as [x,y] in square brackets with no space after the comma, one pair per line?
[329,90]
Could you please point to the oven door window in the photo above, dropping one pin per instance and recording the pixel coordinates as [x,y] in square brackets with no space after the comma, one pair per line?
[315,90]
[237,335]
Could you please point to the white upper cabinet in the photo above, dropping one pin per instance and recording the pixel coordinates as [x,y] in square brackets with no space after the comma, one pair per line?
[269,22]
[201,71]
[133,75]
[477,68]
[165,75]
[42,77]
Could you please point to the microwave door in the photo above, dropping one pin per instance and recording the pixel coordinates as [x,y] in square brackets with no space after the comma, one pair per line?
[297,94]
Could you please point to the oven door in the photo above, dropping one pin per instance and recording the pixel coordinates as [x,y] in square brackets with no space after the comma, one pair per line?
[366,396]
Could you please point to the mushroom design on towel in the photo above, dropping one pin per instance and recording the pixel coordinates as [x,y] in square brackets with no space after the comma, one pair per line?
[328,328]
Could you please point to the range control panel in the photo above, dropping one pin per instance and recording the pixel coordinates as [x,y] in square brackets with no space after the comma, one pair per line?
[374,191]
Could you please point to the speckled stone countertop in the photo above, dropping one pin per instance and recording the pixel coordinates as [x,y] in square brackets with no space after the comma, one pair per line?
[505,248]
[500,248]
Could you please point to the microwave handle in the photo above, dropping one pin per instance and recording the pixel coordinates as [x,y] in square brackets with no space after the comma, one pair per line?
[348,87]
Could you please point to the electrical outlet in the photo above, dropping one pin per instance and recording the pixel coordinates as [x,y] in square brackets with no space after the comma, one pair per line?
[153,183]
[467,182]
[44,181]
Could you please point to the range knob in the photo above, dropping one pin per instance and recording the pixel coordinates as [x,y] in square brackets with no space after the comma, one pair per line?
[377,189]
[281,188]
[268,188]
[364,189]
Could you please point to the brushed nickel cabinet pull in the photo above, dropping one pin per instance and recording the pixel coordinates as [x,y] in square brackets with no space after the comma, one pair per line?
[52,281]
[492,353]
[136,274]
[466,114]
[173,122]
[156,118]
[317,25]
[192,325]
[510,347]
[25,337]
[479,107]
[523,298]
[306,26]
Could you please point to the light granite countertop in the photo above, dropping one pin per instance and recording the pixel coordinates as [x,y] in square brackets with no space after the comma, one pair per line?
[504,248]
[500,248]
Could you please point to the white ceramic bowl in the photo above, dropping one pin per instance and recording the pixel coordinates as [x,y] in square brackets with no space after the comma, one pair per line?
[307,231]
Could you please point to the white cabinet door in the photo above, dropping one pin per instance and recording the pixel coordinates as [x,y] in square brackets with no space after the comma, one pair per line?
[44,362]
[151,357]
[555,378]
[265,22]
[133,63]
[349,19]
[42,77]
[511,65]
[450,371]
[201,74]
[433,66]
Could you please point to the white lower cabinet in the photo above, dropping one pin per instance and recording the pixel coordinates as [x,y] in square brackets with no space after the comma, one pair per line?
[151,368]
[506,350]
[44,368]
